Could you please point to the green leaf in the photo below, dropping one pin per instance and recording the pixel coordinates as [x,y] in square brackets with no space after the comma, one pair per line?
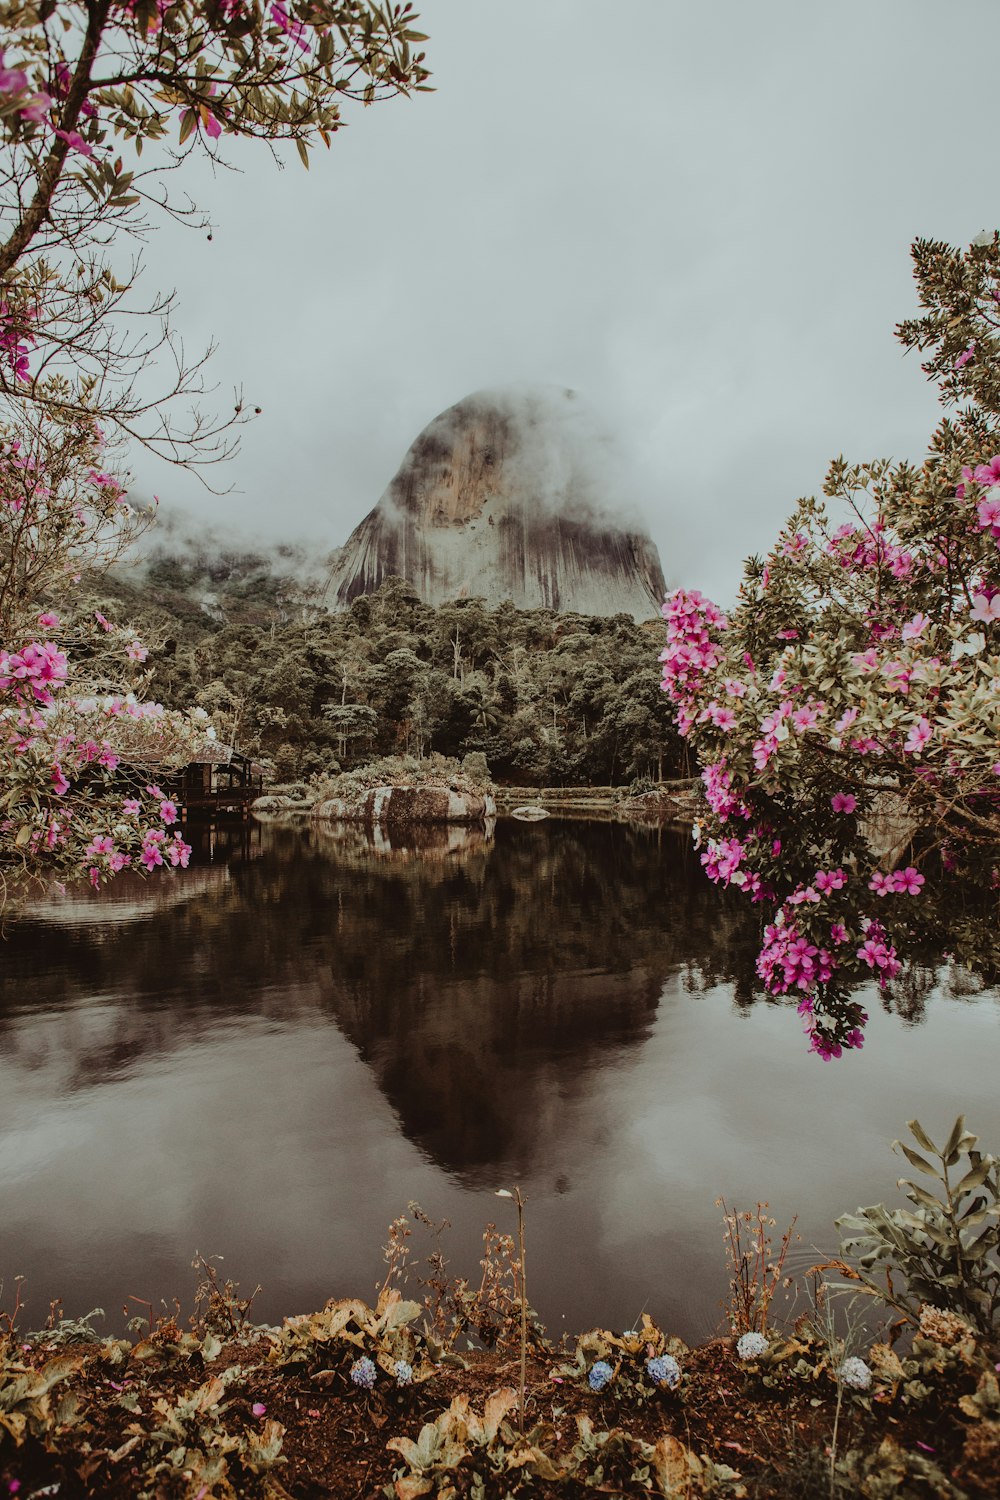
[922,1138]
[974,1178]
[187,125]
[921,1195]
[916,1160]
[957,1132]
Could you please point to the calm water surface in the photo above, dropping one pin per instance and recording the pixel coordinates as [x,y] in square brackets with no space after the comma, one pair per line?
[270,1054]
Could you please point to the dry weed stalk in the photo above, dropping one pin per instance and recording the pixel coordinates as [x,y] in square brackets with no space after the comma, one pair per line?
[755,1273]
[8,1320]
[490,1311]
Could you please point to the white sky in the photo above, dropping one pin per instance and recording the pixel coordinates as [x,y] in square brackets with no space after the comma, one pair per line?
[698,216]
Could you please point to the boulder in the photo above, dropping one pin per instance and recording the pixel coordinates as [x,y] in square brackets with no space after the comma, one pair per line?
[399,807]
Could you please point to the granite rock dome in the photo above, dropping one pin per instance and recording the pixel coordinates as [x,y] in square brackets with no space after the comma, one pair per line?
[508,495]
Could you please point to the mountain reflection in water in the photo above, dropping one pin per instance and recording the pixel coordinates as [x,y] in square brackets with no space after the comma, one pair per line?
[269,1054]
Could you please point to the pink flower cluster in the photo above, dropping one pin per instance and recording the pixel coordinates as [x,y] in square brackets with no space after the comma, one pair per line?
[690,653]
[878,953]
[156,845]
[13,82]
[295,30]
[788,961]
[983,475]
[38,667]
[861,551]
[827,1046]
[14,343]
[906,882]
[772,731]
[718,781]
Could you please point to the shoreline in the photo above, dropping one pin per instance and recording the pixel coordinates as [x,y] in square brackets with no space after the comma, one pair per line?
[230,1410]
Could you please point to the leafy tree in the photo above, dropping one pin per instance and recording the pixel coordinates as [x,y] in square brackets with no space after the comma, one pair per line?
[90,94]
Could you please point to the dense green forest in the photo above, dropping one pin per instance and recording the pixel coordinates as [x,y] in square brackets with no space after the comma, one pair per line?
[550,699]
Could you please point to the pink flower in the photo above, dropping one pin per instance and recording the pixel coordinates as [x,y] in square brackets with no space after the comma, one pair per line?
[178,852]
[95,876]
[915,627]
[151,856]
[168,811]
[866,661]
[897,675]
[100,844]
[838,932]
[293,29]
[102,621]
[881,884]
[49,621]
[829,880]
[985,607]
[965,356]
[845,721]
[136,651]
[258,1408]
[843,802]
[794,544]
[131,807]
[918,736]
[75,141]
[987,475]
[989,514]
[154,791]
[908,882]
[59,783]
[734,687]
[808,716]
[12,80]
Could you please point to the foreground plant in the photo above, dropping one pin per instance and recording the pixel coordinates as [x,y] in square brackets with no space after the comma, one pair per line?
[351,1345]
[946,1250]
[633,1366]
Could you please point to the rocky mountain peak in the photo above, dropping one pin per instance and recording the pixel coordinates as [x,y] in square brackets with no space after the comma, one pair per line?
[511,494]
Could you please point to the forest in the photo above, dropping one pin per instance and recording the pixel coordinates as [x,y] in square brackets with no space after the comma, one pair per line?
[550,699]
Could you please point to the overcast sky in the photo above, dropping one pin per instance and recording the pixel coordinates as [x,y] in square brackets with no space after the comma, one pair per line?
[698,216]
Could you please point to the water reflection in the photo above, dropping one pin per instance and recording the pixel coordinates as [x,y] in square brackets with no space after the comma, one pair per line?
[269,1054]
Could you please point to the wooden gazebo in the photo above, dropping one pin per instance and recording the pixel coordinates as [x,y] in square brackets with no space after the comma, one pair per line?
[217,778]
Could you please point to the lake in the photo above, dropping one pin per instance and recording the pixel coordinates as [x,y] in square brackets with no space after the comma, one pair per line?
[270,1054]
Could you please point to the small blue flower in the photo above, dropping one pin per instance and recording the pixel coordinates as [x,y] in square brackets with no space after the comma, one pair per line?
[404,1372]
[363,1373]
[600,1373]
[751,1346]
[664,1370]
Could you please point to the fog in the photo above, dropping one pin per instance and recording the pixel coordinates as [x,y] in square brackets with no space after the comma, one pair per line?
[698,218]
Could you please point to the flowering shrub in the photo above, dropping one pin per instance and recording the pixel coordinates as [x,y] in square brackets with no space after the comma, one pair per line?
[848,709]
